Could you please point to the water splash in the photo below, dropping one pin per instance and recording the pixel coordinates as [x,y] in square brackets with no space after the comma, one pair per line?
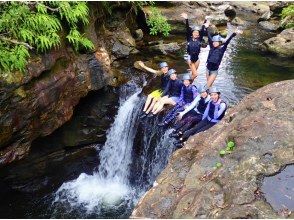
[108,188]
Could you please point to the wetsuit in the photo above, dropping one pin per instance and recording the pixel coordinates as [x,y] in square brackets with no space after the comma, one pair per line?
[188,94]
[193,45]
[216,53]
[214,112]
[192,114]
[173,89]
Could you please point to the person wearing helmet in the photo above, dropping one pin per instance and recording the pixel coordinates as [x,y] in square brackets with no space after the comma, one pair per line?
[192,114]
[188,94]
[216,53]
[154,97]
[194,37]
[170,95]
[213,113]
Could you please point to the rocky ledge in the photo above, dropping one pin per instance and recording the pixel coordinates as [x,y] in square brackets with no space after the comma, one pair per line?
[261,126]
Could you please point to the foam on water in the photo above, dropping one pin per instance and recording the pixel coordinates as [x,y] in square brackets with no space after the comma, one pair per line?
[108,187]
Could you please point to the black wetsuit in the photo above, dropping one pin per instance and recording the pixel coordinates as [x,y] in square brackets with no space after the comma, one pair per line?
[216,53]
[173,88]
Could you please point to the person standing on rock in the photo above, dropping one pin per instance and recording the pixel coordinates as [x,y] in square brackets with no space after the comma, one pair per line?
[154,97]
[188,94]
[170,95]
[194,38]
[213,113]
[216,53]
[193,114]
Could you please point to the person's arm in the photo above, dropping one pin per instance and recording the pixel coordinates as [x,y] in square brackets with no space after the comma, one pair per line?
[148,69]
[209,39]
[165,92]
[188,31]
[221,110]
[225,45]
[202,31]
[195,92]
[181,99]
[191,106]
[205,114]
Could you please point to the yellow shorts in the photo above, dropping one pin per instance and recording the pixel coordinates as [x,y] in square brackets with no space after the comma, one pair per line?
[156,93]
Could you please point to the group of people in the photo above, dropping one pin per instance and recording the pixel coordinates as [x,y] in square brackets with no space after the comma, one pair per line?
[195,109]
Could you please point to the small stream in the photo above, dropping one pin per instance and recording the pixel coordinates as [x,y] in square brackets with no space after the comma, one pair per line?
[61,179]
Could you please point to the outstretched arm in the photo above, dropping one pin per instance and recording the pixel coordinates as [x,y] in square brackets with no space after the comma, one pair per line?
[188,29]
[237,31]
[206,111]
[221,110]
[202,31]
[148,69]
[209,39]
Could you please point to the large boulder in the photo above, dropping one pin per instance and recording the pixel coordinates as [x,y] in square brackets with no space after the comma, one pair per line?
[255,7]
[282,44]
[163,48]
[277,6]
[262,127]
[268,26]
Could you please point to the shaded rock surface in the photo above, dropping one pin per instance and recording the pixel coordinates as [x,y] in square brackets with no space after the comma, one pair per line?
[282,44]
[268,26]
[261,124]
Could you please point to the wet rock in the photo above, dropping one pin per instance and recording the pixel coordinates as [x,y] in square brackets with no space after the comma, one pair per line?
[262,123]
[162,48]
[266,16]
[230,12]
[139,34]
[277,6]
[255,7]
[238,21]
[269,26]
[282,44]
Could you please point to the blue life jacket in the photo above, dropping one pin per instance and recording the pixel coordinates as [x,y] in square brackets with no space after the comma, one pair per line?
[188,93]
[194,47]
[175,88]
[213,108]
[164,80]
[202,105]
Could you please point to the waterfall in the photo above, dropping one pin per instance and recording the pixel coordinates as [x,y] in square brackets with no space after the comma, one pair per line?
[108,187]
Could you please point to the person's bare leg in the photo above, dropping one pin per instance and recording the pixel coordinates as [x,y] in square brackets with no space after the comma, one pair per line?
[153,103]
[147,103]
[162,103]
[210,80]
[194,68]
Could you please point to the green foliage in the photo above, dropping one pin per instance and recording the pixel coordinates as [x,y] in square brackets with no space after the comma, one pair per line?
[222,153]
[26,26]
[158,23]
[288,13]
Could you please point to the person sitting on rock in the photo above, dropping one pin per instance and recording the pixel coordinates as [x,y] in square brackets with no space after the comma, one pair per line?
[171,94]
[153,97]
[188,94]
[216,53]
[214,112]
[192,114]
[194,38]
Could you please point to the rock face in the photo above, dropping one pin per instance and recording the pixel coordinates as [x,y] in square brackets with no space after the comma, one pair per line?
[268,26]
[282,44]
[262,126]
[162,48]
[42,99]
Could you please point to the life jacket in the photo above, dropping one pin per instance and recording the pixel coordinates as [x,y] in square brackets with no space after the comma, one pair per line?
[202,104]
[194,47]
[213,108]
[215,56]
[164,80]
[188,93]
[175,88]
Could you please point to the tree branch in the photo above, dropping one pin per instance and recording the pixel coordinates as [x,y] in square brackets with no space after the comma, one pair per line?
[17,42]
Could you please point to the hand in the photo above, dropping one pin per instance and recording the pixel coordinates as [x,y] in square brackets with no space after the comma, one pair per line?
[207,23]
[140,63]
[179,117]
[184,15]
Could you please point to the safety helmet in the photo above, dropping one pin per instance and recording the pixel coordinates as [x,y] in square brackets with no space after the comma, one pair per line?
[217,38]
[171,71]
[195,28]
[202,89]
[187,76]
[214,90]
[163,64]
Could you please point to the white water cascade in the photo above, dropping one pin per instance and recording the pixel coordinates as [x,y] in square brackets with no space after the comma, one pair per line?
[108,187]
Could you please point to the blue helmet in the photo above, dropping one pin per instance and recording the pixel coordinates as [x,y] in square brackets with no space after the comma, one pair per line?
[217,38]
[171,71]
[187,76]
[214,90]
[163,64]
[202,89]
